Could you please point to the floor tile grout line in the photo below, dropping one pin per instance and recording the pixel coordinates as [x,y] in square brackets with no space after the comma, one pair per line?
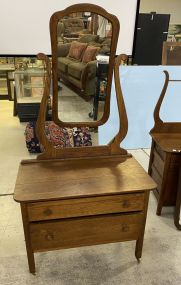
[9,194]
[145,152]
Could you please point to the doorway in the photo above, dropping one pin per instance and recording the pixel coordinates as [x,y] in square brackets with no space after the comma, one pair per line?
[152,31]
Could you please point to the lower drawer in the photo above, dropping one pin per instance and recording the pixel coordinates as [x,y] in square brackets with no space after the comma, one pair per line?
[85,231]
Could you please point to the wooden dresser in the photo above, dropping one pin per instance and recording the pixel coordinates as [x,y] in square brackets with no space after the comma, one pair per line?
[72,203]
[165,158]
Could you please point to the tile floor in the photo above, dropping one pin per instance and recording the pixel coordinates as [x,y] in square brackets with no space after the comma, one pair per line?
[111,264]
[73,108]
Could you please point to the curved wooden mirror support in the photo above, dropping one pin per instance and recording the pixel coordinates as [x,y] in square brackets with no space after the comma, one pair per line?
[166,134]
[112,149]
[84,40]
[159,125]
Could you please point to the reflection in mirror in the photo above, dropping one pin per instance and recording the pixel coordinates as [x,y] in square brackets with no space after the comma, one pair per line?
[60,137]
[158,21]
[84,42]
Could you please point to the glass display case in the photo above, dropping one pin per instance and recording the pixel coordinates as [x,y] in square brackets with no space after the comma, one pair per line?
[7,67]
[29,87]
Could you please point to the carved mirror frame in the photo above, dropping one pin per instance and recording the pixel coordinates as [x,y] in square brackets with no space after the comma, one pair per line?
[113,147]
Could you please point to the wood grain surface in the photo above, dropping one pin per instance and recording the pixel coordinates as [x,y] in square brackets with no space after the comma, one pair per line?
[80,178]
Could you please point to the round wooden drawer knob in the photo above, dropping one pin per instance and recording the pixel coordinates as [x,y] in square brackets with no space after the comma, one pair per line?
[48,212]
[125,203]
[49,237]
[125,228]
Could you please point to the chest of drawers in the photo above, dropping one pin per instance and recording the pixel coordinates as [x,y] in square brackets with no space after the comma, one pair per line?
[73,203]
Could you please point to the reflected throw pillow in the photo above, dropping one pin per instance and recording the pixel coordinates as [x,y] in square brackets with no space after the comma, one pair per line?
[90,54]
[76,50]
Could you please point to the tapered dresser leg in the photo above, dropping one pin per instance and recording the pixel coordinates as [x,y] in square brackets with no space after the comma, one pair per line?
[151,157]
[30,254]
[138,249]
[139,242]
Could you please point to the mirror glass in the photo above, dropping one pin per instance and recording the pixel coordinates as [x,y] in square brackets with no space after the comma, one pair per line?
[158,21]
[84,42]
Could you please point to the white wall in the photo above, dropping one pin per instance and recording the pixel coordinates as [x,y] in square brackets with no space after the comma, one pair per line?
[24,25]
[172,7]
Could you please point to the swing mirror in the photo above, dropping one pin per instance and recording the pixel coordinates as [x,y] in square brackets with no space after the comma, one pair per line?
[84,39]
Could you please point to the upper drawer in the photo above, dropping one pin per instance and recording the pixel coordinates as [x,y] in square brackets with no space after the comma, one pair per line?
[158,162]
[85,206]
[160,151]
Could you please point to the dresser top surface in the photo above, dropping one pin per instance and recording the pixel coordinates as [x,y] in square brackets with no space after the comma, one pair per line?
[66,179]
[169,142]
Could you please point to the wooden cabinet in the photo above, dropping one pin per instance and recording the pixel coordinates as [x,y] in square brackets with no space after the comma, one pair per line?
[165,159]
[72,203]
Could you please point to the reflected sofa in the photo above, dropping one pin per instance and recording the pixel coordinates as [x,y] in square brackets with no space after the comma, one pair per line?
[70,27]
[78,72]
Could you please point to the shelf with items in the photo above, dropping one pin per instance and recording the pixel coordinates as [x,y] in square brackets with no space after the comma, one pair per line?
[3,85]
[6,74]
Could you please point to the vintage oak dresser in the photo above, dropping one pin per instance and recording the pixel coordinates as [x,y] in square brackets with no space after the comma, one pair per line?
[80,196]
